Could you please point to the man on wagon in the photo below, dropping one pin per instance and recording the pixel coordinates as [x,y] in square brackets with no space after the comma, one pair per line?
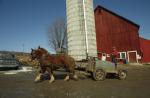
[114,55]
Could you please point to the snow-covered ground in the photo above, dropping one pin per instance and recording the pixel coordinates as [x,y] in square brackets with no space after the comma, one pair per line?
[22,69]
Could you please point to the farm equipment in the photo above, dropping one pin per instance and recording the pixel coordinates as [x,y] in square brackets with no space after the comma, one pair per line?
[99,69]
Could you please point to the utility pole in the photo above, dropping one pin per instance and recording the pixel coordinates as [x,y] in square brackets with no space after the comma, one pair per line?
[23,47]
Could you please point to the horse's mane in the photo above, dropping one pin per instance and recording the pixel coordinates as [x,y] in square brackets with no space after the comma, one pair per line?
[43,50]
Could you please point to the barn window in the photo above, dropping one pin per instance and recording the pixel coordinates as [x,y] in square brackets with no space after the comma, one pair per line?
[122,55]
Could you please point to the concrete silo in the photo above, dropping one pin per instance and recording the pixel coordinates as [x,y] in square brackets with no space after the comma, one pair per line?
[81,29]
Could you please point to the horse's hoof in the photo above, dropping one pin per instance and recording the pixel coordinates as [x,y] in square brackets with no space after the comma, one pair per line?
[51,82]
[75,77]
[67,78]
[36,81]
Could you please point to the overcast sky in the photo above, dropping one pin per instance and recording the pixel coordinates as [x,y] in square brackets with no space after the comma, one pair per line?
[24,23]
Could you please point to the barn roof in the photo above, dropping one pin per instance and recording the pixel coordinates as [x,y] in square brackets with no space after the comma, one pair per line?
[144,39]
[101,7]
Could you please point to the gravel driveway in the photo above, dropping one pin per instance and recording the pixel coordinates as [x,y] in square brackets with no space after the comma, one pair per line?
[21,85]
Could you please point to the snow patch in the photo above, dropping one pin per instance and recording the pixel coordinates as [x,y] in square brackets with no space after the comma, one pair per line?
[23,69]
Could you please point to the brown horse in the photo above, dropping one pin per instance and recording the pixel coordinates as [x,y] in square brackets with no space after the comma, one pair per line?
[49,63]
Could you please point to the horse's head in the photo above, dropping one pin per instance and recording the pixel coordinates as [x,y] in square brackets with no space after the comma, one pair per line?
[35,54]
[38,53]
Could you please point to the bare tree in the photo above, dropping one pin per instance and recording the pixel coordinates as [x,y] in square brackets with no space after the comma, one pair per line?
[57,35]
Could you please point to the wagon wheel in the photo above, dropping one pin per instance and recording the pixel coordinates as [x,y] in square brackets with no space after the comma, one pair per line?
[122,74]
[99,75]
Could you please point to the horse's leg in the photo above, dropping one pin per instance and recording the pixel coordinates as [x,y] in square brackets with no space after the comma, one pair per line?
[52,78]
[72,75]
[75,76]
[72,71]
[39,76]
[67,77]
[50,71]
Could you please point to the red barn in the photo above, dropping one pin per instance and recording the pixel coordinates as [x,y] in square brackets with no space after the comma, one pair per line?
[145,48]
[113,30]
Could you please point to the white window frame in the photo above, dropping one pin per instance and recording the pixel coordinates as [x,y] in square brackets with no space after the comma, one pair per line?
[121,55]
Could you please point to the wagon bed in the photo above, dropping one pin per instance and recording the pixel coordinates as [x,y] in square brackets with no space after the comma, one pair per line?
[99,69]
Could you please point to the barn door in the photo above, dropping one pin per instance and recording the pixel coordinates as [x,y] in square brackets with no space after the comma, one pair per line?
[132,56]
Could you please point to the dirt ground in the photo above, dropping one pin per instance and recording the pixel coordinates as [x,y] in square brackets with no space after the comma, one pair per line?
[21,85]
